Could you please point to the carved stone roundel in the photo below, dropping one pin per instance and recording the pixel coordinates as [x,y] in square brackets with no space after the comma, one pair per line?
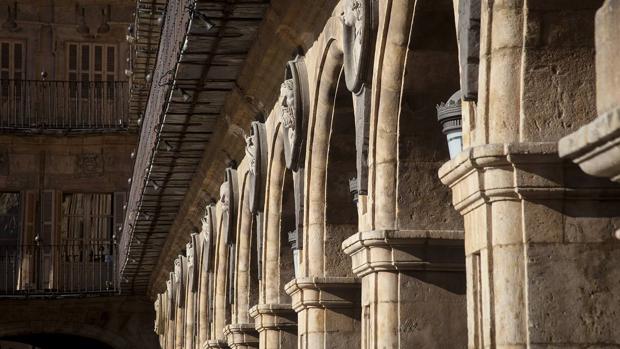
[356,23]
[208,231]
[256,151]
[228,201]
[293,112]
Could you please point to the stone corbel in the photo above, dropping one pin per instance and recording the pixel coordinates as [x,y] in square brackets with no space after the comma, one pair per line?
[324,292]
[595,147]
[399,250]
[241,335]
[280,317]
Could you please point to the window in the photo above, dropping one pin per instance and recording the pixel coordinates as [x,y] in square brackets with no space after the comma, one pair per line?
[91,62]
[10,206]
[12,64]
[86,226]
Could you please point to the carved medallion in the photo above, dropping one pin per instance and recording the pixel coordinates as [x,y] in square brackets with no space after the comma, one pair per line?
[228,202]
[256,151]
[179,280]
[293,112]
[356,29]
[208,234]
[192,268]
[170,296]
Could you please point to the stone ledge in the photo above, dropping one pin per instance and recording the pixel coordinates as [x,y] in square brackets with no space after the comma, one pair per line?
[515,171]
[216,343]
[595,147]
[274,317]
[399,250]
[241,335]
[324,292]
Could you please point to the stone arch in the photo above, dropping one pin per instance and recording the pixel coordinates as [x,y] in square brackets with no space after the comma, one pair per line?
[206,262]
[64,327]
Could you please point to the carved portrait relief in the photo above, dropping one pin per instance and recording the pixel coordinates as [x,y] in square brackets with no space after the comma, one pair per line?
[158,314]
[356,22]
[192,270]
[293,111]
[170,299]
[179,280]
[228,204]
[256,151]
[207,232]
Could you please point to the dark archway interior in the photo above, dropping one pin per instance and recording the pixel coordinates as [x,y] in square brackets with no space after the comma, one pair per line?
[52,341]
[287,224]
[340,209]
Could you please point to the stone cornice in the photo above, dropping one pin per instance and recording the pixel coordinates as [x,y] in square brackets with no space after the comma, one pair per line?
[595,147]
[241,335]
[274,317]
[216,343]
[515,171]
[324,292]
[395,250]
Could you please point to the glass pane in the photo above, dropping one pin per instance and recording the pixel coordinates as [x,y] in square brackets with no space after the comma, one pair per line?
[72,57]
[110,59]
[85,58]
[4,57]
[17,63]
[98,58]
[9,216]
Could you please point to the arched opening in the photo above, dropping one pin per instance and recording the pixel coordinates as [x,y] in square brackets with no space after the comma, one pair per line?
[289,250]
[341,220]
[51,341]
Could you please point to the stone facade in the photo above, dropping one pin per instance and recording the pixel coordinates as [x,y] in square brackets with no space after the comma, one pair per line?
[346,222]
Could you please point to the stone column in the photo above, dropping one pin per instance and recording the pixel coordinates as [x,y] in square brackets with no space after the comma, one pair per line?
[412,287]
[328,309]
[276,325]
[541,261]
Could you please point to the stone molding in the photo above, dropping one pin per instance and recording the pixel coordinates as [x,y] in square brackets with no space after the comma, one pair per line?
[216,343]
[273,317]
[399,250]
[595,147]
[517,171]
[324,292]
[241,335]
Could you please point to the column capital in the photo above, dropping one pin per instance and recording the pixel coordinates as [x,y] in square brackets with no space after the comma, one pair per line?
[324,292]
[395,250]
[241,335]
[517,171]
[274,317]
[216,344]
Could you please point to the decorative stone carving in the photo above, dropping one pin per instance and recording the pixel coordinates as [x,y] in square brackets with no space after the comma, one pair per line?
[89,163]
[229,199]
[256,151]
[469,47]
[180,267]
[170,296]
[158,315]
[208,236]
[356,33]
[293,113]
[192,270]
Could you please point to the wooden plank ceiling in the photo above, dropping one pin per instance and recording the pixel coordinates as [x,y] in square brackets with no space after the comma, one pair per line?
[196,68]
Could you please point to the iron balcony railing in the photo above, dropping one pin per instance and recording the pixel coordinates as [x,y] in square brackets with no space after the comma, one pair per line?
[70,268]
[63,105]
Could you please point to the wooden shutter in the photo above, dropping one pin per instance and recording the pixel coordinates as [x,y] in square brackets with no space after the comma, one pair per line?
[50,223]
[26,262]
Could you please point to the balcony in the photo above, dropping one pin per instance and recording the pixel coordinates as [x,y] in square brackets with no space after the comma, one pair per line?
[30,105]
[70,268]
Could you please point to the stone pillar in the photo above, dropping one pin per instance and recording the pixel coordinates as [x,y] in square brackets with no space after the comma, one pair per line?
[328,311]
[241,336]
[541,261]
[412,287]
[276,325]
